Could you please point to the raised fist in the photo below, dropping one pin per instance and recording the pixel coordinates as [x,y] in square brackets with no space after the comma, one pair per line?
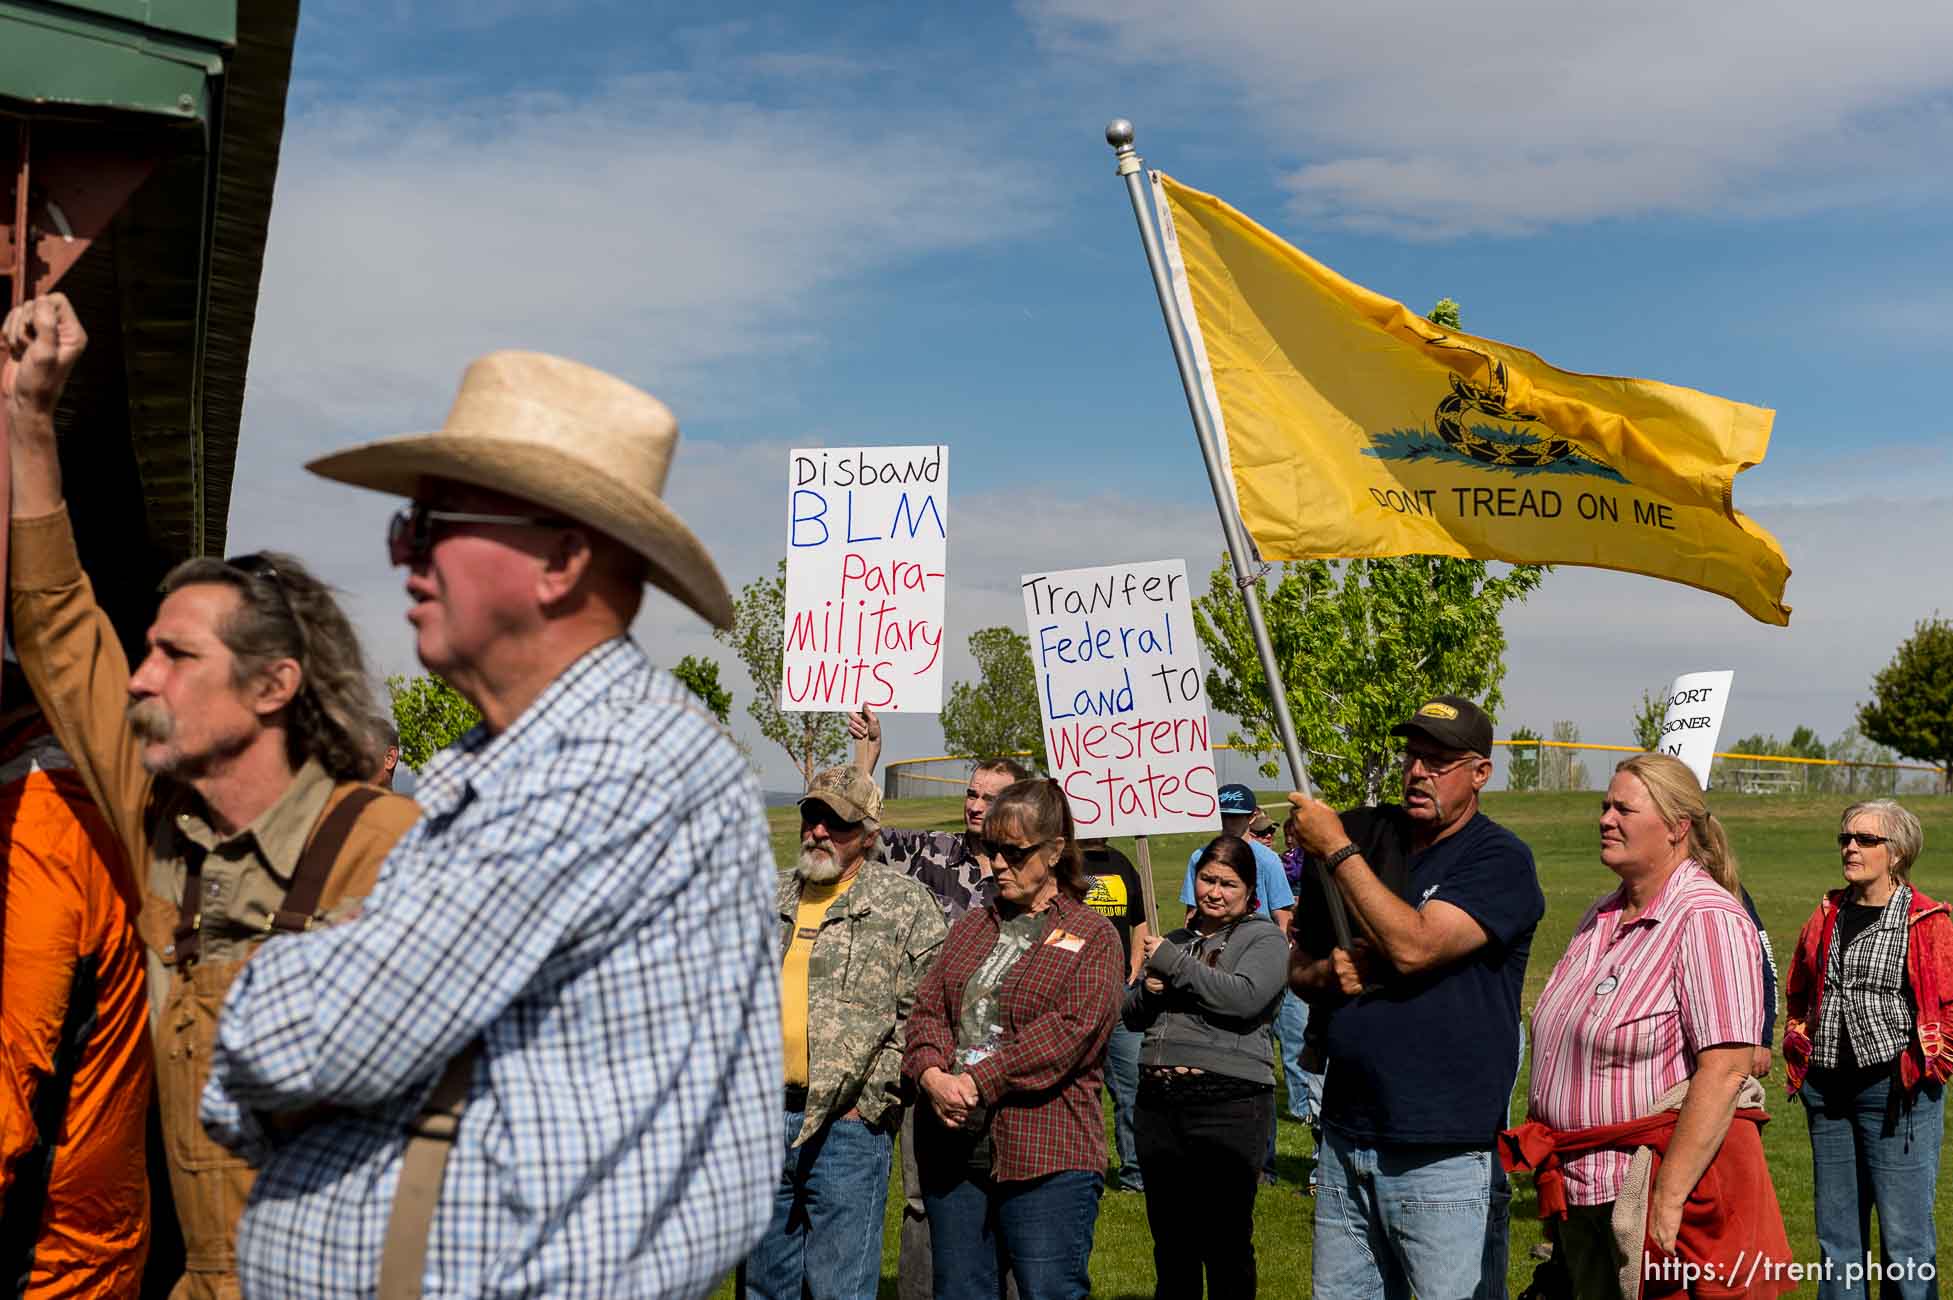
[43,339]
[865,725]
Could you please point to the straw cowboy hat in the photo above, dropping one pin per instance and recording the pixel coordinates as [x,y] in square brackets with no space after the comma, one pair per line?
[585,444]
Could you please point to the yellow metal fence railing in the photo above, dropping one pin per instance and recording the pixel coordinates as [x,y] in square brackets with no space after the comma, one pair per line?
[1528,764]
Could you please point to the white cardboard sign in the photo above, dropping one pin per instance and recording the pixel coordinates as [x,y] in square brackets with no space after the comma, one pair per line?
[867,548]
[1123,699]
[1692,720]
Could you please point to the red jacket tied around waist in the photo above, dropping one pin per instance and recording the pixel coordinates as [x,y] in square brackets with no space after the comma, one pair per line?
[1732,1229]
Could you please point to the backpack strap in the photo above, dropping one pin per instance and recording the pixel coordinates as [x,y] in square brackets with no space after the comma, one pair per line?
[301,902]
[430,1139]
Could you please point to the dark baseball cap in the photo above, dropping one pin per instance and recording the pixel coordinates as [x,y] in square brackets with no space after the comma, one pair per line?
[1453,721]
[1236,799]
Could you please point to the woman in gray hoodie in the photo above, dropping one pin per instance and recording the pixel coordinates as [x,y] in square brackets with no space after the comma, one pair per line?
[1206,1085]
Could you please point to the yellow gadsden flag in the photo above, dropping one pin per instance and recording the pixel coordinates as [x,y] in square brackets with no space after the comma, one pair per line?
[1357,428]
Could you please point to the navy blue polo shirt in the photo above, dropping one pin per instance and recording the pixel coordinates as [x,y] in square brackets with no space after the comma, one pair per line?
[1431,1058]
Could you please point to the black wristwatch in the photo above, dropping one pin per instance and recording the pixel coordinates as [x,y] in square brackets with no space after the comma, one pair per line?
[1335,859]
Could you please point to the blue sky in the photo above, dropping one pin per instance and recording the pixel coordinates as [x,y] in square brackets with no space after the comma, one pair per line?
[899,223]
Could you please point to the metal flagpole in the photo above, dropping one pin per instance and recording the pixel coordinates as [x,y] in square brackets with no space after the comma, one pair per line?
[1119,135]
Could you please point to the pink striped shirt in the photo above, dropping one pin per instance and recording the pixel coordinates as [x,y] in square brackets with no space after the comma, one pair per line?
[1626,1010]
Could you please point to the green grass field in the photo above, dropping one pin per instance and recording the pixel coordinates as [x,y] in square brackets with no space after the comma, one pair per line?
[1788,860]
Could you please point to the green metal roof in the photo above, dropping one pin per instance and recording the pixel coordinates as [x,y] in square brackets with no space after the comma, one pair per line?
[169,292]
[207,20]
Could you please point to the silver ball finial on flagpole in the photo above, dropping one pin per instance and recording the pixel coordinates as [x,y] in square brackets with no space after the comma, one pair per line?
[1118,134]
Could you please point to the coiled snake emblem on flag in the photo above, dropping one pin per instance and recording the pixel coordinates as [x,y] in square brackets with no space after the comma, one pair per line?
[1490,399]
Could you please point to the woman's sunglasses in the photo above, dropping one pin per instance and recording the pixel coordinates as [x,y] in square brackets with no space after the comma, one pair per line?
[1014,855]
[1862,839]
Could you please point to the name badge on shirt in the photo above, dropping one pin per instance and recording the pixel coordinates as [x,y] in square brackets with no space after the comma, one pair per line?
[808,932]
[1066,940]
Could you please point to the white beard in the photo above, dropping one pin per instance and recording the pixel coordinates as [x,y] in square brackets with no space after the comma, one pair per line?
[818,868]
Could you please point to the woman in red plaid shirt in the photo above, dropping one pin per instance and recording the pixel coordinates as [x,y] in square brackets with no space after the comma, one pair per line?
[1007,1046]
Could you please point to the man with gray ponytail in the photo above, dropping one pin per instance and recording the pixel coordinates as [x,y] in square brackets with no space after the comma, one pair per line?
[231,764]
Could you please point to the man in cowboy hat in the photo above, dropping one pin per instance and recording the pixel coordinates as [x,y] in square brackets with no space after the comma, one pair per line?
[231,765]
[573,951]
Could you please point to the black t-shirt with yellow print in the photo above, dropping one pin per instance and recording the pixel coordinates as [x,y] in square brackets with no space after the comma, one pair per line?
[1115,891]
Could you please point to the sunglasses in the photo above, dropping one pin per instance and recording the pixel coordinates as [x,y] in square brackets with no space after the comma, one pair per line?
[410,532]
[1435,764]
[814,814]
[257,565]
[1267,833]
[1862,839]
[1013,855]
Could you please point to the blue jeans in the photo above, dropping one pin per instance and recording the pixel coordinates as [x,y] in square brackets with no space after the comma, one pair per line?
[1041,1229]
[1291,1022]
[1395,1220]
[1122,1077]
[1868,1150]
[827,1216]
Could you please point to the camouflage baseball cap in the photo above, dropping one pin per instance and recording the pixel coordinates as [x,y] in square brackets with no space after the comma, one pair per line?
[848,791]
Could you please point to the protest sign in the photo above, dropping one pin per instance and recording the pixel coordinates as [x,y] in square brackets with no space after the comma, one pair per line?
[1693,719]
[1121,694]
[867,542]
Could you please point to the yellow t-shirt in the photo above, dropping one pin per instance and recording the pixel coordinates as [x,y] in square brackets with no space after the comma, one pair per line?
[814,902]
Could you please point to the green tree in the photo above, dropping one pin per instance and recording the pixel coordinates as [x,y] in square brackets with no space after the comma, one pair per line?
[430,714]
[1860,775]
[1563,768]
[1361,643]
[1648,719]
[1912,697]
[701,678]
[998,714]
[1448,314]
[1803,743]
[813,740]
[1522,763]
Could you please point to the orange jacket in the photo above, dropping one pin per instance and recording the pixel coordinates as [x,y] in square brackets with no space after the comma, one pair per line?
[75,1066]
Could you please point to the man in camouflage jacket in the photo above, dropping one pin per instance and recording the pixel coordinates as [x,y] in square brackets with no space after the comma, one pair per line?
[856,937]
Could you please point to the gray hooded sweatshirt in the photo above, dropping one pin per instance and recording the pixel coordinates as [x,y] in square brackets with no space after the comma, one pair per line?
[1213,1018]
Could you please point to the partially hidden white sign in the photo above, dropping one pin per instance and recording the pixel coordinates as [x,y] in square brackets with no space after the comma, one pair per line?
[1693,719]
[1121,693]
[867,548]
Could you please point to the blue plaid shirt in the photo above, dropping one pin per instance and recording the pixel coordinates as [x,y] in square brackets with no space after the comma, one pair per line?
[590,895]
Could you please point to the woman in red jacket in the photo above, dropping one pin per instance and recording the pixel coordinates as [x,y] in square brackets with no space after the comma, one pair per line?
[1006,1044]
[1868,1004]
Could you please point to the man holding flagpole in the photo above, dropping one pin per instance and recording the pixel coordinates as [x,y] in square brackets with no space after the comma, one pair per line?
[1423,1057]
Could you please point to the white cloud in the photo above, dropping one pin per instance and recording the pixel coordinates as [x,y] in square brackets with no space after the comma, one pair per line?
[649,229]
[696,246]
[1514,114]
[689,244]
[1865,571]
[1847,472]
